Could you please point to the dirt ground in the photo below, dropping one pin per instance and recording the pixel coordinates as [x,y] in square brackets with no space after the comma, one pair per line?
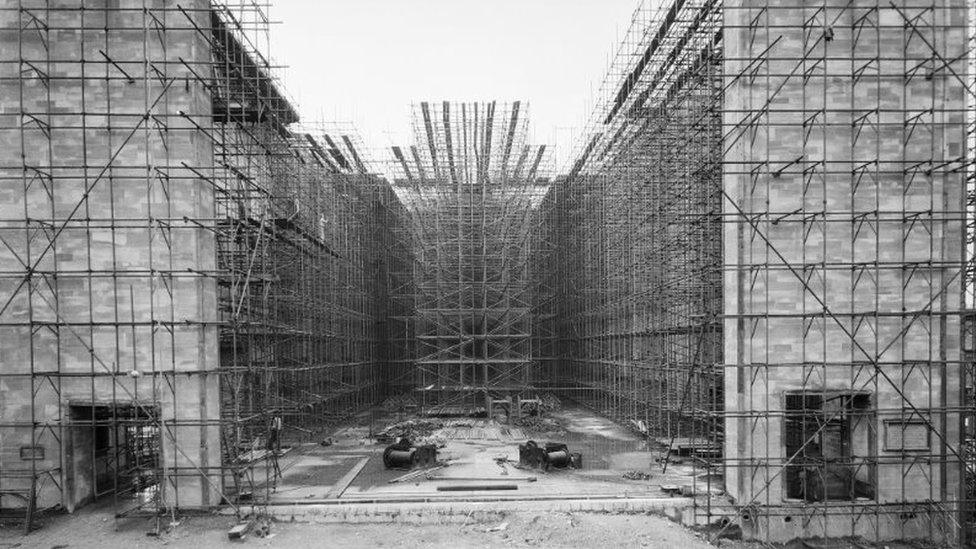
[97,528]
[472,447]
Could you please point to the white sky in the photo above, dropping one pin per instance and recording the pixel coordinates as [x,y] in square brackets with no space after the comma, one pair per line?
[366,61]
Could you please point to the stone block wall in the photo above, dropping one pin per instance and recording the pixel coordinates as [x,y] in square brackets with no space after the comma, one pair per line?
[844,135]
[106,297]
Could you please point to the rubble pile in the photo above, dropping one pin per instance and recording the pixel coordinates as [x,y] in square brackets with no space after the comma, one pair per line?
[541,424]
[636,475]
[413,429]
[550,403]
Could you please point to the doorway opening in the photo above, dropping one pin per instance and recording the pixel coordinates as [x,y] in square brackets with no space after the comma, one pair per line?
[828,438]
[115,451]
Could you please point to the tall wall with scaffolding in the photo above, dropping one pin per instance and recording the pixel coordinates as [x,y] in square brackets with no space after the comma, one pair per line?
[183,270]
[470,183]
[637,269]
[845,168]
[760,253]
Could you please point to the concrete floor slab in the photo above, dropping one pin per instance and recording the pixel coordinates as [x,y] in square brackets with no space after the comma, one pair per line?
[472,453]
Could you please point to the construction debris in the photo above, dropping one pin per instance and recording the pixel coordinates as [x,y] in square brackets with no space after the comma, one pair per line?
[671,489]
[541,425]
[259,526]
[550,403]
[263,528]
[551,455]
[532,455]
[239,530]
[560,457]
[413,429]
[405,455]
[417,474]
[636,475]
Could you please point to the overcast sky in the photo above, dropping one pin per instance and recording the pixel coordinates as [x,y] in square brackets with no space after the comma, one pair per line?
[366,61]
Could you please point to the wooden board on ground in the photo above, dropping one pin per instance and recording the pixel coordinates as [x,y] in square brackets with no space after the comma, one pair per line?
[341,486]
[508,479]
[238,531]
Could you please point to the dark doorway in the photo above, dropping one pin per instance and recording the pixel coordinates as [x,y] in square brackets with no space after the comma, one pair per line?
[828,438]
[114,451]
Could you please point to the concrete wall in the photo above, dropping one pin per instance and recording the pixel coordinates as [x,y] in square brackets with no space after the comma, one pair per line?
[93,196]
[843,263]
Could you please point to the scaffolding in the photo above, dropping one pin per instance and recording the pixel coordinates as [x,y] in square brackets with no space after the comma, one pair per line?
[471,182]
[640,301]
[762,256]
[761,252]
[189,280]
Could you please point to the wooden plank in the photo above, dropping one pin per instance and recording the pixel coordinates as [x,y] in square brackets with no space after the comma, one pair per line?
[239,530]
[341,486]
[486,479]
[476,487]
[414,474]
[406,477]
